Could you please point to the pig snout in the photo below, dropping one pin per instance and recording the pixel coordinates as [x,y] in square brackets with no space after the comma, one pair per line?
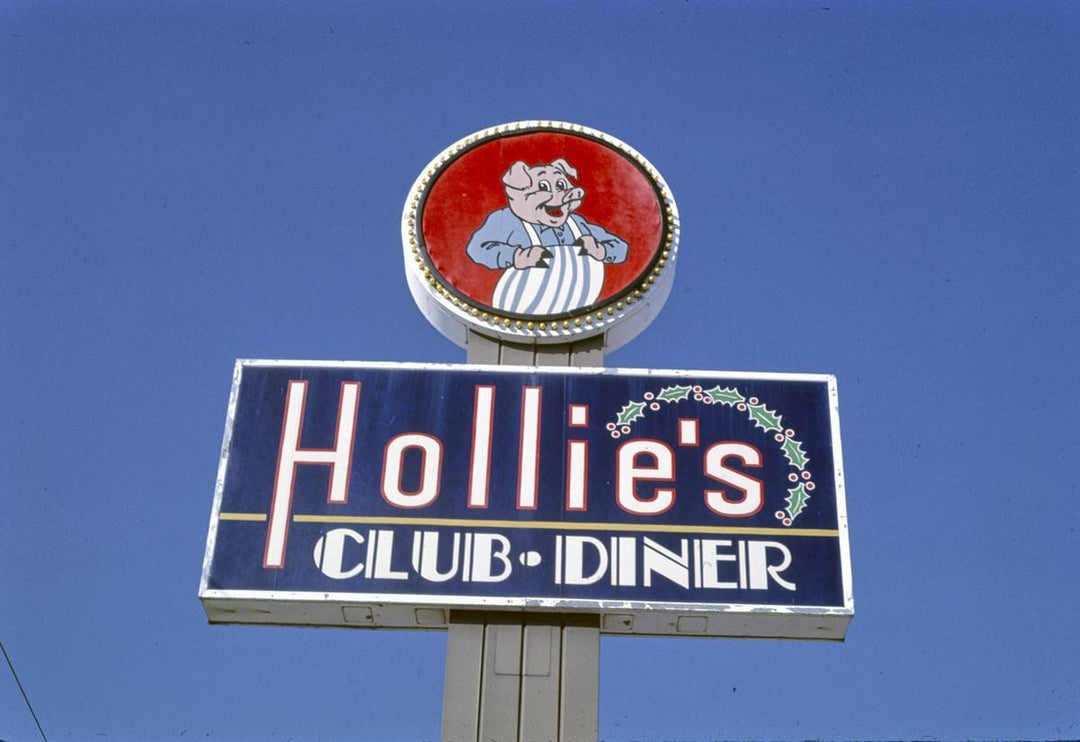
[574,194]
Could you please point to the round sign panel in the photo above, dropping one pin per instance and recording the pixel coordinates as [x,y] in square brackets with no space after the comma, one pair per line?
[540,232]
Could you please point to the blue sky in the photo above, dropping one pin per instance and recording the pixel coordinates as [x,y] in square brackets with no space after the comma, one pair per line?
[883,191]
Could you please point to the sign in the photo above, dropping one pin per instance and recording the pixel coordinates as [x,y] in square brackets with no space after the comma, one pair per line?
[540,232]
[667,502]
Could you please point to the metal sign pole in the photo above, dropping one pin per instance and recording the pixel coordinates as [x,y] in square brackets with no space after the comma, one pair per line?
[524,677]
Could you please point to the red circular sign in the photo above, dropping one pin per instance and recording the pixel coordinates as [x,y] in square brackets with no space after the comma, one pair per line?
[618,197]
[540,230]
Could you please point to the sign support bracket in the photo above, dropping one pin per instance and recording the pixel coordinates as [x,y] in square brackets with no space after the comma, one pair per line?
[528,676]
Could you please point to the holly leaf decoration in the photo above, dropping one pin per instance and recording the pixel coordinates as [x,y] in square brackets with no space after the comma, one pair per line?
[764,418]
[726,395]
[794,453]
[674,393]
[631,412]
[796,500]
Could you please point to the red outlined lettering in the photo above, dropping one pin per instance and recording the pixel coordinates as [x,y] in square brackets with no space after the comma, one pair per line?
[480,466]
[578,416]
[529,447]
[291,455]
[753,490]
[688,431]
[577,475]
[628,474]
[430,470]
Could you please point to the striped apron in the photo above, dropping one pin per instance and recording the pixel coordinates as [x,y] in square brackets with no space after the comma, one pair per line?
[570,281]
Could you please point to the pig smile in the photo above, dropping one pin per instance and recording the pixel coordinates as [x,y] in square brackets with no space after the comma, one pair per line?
[554,210]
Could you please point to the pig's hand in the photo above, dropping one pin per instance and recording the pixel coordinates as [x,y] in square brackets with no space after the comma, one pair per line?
[531,257]
[589,246]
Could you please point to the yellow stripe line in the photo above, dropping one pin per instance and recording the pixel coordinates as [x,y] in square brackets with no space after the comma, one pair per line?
[540,525]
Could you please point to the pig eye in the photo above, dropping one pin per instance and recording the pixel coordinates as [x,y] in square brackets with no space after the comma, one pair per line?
[543,185]
[560,184]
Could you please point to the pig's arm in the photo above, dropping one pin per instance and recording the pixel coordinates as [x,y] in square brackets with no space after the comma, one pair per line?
[615,247]
[494,244]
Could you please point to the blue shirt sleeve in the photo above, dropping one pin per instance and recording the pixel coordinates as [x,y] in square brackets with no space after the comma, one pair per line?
[615,247]
[494,244]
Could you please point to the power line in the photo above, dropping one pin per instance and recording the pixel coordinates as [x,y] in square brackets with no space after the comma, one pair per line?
[21,690]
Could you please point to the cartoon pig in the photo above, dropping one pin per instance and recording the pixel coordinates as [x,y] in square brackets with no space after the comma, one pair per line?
[552,259]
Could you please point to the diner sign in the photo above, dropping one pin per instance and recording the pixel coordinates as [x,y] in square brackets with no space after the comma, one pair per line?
[666,502]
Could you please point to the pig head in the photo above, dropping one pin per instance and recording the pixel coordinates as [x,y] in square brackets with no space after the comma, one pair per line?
[543,194]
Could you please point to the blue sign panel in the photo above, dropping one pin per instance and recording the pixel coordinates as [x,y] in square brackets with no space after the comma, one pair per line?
[384,495]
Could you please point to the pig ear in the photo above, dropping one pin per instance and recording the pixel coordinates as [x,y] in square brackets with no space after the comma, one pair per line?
[517,176]
[566,167]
